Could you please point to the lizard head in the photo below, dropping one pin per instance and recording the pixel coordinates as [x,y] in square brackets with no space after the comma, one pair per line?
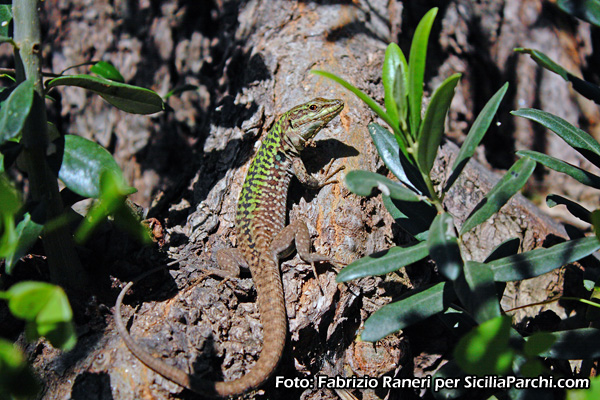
[309,118]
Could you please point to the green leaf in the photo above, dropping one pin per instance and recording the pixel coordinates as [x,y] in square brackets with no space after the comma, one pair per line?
[591,393]
[362,183]
[10,201]
[414,218]
[416,69]
[531,368]
[587,10]
[394,83]
[9,198]
[595,220]
[8,235]
[539,261]
[27,298]
[581,175]
[477,291]
[544,61]
[47,311]
[180,89]
[113,201]
[574,344]
[410,309]
[389,151]
[580,140]
[54,321]
[27,233]
[15,110]
[443,246]
[508,186]
[476,133]
[577,210]
[586,89]
[383,262]
[108,71]
[507,248]
[16,377]
[5,18]
[431,130]
[538,343]
[369,102]
[485,350]
[84,161]
[127,219]
[129,98]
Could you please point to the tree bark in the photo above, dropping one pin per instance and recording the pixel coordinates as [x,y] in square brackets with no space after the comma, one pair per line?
[251,61]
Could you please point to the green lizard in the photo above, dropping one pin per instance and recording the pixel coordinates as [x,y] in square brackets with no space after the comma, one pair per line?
[263,238]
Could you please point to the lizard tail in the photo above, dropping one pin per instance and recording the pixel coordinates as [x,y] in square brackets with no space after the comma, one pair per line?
[272,311]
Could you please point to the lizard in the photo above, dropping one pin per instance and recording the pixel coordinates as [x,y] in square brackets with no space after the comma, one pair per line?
[263,239]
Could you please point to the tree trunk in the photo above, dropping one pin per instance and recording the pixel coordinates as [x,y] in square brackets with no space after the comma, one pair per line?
[251,61]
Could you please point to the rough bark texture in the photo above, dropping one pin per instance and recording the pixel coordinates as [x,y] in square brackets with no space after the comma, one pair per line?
[250,61]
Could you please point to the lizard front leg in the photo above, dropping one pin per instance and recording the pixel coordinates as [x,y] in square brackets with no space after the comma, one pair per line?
[299,170]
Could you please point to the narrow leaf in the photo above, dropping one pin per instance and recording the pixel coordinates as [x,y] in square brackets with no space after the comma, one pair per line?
[595,220]
[577,210]
[389,151]
[477,291]
[539,261]
[414,218]
[508,186]
[15,110]
[393,80]
[580,140]
[180,89]
[407,311]
[83,163]
[129,98]
[443,246]
[587,10]
[383,262]
[544,61]
[587,89]
[476,133]
[363,183]
[507,248]
[581,175]
[432,128]
[416,69]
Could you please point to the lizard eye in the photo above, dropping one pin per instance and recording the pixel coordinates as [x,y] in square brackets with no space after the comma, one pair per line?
[312,107]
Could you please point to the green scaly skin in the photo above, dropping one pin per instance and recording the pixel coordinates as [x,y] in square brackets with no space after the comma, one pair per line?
[262,238]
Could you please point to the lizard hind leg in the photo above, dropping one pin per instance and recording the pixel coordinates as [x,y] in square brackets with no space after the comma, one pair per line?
[230,260]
